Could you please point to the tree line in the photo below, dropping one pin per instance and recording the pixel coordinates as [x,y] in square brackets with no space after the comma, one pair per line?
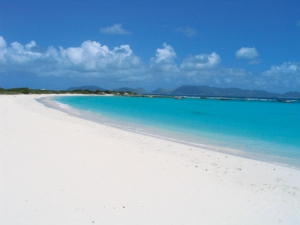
[26,90]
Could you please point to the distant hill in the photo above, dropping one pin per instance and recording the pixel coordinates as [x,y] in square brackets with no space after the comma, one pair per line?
[292,94]
[223,92]
[135,90]
[161,91]
[88,87]
[203,90]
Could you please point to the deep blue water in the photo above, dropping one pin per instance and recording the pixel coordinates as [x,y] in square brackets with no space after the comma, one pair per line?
[266,130]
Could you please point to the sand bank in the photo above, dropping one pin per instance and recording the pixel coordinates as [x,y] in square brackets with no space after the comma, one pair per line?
[59,169]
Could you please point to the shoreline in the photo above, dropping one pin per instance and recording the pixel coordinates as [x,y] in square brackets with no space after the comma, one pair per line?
[173,136]
[59,169]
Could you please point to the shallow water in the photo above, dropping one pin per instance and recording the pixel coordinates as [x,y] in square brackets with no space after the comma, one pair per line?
[266,130]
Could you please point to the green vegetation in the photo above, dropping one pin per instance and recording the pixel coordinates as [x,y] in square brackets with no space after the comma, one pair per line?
[25,90]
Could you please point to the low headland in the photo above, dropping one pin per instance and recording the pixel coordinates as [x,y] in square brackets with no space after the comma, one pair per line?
[25,90]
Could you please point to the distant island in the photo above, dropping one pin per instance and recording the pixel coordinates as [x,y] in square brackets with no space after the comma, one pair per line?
[204,90]
[223,92]
[184,90]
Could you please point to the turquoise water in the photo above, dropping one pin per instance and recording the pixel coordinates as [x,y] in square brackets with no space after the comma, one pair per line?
[266,130]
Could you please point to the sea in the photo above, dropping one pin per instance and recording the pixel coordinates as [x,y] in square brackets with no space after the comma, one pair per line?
[261,129]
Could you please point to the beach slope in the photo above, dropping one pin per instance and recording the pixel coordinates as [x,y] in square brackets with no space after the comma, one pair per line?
[60,169]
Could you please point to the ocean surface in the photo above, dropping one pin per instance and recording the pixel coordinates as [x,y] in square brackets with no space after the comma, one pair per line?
[266,130]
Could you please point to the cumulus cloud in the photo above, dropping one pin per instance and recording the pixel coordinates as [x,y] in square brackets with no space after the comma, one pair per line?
[246,53]
[205,69]
[164,60]
[287,76]
[2,48]
[2,43]
[187,31]
[91,57]
[93,60]
[30,45]
[17,55]
[119,64]
[200,62]
[220,77]
[286,68]
[165,54]
[115,29]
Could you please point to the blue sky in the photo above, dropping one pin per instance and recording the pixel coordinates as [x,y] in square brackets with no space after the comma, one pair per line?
[59,44]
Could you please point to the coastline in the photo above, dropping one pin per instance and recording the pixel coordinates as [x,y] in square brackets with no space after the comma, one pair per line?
[59,169]
[212,141]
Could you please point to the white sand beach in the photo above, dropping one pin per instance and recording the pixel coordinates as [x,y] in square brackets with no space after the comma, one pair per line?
[59,169]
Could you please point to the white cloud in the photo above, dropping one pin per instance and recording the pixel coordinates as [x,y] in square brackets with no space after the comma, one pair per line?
[200,62]
[246,53]
[91,57]
[115,29]
[2,43]
[2,48]
[165,54]
[30,45]
[164,60]
[187,31]
[285,76]
[92,60]
[16,54]
[286,68]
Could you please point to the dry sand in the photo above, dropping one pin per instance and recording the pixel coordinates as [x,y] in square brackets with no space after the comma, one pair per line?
[59,169]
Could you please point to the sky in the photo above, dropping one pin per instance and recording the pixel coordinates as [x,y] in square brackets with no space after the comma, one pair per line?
[59,44]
